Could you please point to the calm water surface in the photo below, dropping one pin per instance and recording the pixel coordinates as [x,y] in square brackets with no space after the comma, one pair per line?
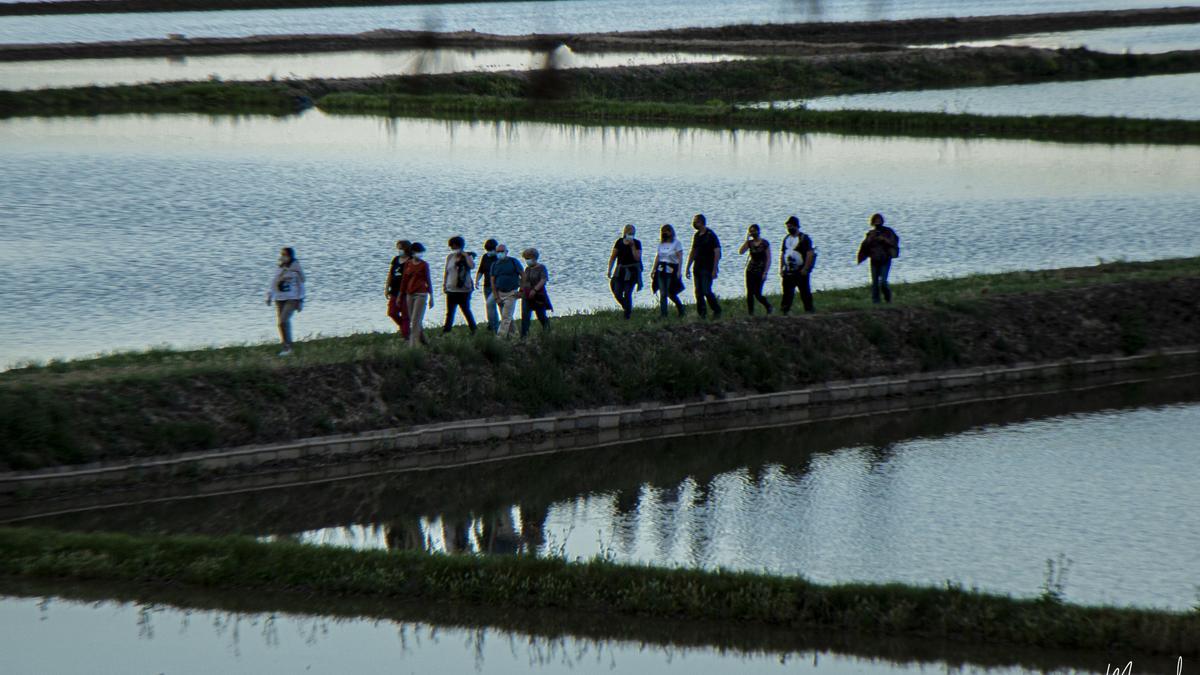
[567,16]
[1138,39]
[167,226]
[981,495]
[1159,96]
[117,637]
[83,72]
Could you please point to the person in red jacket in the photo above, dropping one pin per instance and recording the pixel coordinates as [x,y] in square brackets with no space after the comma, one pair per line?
[417,286]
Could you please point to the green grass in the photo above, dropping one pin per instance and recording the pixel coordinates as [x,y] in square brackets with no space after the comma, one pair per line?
[239,564]
[201,97]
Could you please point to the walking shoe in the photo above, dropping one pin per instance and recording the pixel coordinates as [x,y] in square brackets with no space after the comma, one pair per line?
[287,351]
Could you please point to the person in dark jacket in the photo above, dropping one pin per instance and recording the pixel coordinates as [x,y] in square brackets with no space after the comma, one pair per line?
[881,246]
[627,254]
[705,260]
[757,268]
[484,272]
[456,282]
[534,298]
[397,308]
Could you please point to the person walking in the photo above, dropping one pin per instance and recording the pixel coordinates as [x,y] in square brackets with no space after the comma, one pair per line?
[757,268]
[484,271]
[456,282]
[287,292]
[397,308]
[506,280]
[534,298]
[881,245]
[796,262]
[704,259]
[627,254]
[668,271]
[417,287]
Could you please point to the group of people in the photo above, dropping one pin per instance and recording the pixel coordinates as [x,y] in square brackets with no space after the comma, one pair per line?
[505,279]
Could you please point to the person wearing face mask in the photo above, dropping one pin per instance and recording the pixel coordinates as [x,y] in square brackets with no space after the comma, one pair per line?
[757,268]
[796,263]
[704,259]
[881,245]
[506,280]
[627,254]
[287,292]
[534,298]
[417,286]
[456,281]
[484,272]
[668,271]
[397,308]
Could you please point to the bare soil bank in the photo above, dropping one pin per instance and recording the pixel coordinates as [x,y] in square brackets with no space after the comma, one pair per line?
[756,39]
[51,421]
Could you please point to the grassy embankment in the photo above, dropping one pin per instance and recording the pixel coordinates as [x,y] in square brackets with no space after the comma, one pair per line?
[698,94]
[599,587]
[164,401]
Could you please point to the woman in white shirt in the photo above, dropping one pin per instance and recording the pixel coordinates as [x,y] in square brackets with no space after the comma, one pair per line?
[287,292]
[668,271]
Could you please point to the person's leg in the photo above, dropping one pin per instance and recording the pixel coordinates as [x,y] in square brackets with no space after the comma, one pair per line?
[875,282]
[493,312]
[395,312]
[451,303]
[405,324]
[664,291]
[679,307]
[416,317]
[526,312]
[543,319]
[283,314]
[508,306]
[712,297]
[789,293]
[806,293]
[750,291]
[698,291]
[754,288]
[466,310]
[884,269]
[626,295]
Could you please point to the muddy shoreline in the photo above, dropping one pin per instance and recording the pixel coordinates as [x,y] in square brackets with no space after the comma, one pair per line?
[764,39]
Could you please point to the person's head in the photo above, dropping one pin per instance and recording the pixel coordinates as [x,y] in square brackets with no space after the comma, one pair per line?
[699,221]
[287,256]
[501,250]
[753,232]
[530,255]
[490,245]
[877,220]
[793,225]
[404,247]
[667,233]
[418,250]
[629,231]
[456,244]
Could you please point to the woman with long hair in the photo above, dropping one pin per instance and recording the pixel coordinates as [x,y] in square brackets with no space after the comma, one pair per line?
[668,271]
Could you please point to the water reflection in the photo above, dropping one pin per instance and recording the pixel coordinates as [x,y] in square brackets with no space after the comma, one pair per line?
[979,495]
[342,190]
[1159,96]
[84,72]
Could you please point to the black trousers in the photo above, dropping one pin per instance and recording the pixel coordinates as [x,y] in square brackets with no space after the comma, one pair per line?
[460,301]
[754,286]
[791,282]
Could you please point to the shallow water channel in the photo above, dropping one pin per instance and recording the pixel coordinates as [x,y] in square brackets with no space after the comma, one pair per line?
[169,226]
[1099,482]
[1135,39]
[515,18]
[1158,96]
[84,72]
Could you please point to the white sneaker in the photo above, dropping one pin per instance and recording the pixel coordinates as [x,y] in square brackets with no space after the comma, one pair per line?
[287,351]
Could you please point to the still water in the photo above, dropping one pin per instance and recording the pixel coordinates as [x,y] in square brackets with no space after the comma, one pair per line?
[1137,39]
[83,72]
[143,637]
[1159,96]
[980,495]
[514,18]
[127,231]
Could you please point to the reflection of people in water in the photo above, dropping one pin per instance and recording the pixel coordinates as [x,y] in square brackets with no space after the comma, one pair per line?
[500,531]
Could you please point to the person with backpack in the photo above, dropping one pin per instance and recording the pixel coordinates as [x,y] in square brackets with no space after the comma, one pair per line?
[287,292]
[757,268]
[705,259]
[881,245]
[506,280]
[668,271]
[484,271]
[627,254]
[397,308]
[457,284]
[796,262]
[534,298]
[417,287]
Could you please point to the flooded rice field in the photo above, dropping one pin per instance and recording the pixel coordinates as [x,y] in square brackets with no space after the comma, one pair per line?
[85,72]
[169,225]
[1158,96]
[516,18]
[1136,39]
[981,495]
